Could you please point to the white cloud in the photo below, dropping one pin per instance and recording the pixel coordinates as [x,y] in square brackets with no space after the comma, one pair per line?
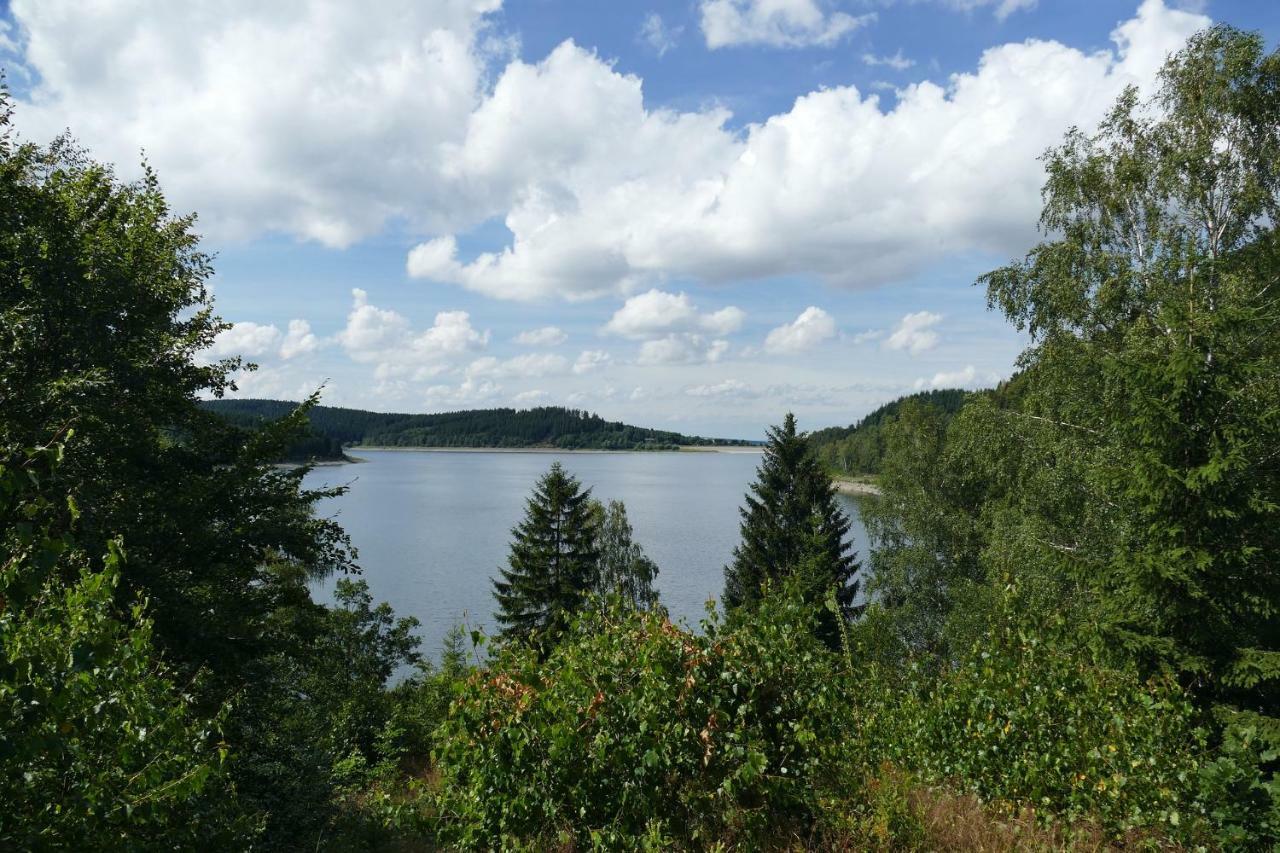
[726,388]
[244,339]
[835,187]
[681,349]
[967,377]
[776,23]
[656,312]
[378,336]
[1003,8]
[657,35]
[590,360]
[915,333]
[531,397]
[522,366]
[464,395]
[811,328]
[547,336]
[394,115]
[244,131]
[897,62]
[299,340]
[868,335]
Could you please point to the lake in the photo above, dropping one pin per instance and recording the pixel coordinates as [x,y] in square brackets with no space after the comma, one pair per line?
[433,528]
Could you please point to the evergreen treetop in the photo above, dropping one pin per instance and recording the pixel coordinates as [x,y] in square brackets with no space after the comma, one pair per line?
[552,563]
[791,524]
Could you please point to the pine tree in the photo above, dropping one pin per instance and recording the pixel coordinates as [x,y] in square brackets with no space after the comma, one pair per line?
[624,569]
[553,560]
[792,527]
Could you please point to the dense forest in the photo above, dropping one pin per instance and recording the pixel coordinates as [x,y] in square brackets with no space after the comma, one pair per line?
[1066,634]
[546,426]
[858,449]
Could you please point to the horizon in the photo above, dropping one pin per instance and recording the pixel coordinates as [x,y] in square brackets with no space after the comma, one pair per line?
[475,205]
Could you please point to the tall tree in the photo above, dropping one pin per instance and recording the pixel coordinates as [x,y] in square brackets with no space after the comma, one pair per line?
[623,569]
[552,563]
[793,527]
[1155,321]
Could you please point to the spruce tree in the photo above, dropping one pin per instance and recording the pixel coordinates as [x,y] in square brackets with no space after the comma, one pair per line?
[553,561]
[792,527]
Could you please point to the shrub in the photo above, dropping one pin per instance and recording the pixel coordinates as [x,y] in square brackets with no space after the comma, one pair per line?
[637,732]
[1028,723]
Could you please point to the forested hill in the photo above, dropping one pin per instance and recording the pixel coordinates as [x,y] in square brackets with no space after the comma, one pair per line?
[548,426]
[858,449]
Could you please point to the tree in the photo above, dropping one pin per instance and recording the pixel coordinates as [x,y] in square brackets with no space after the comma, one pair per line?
[1155,321]
[623,569]
[100,745]
[791,524]
[552,563]
[104,314]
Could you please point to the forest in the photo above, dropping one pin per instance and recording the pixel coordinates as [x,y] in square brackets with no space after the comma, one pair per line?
[1066,634]
[859,449]
[332,428]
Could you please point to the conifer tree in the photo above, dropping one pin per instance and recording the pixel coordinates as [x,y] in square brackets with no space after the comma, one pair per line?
[553,560]
[792,527]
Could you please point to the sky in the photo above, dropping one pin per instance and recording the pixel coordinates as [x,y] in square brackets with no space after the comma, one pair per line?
[695,215]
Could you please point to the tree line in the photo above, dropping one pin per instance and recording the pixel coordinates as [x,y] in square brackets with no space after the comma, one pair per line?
[333,428]
[1066,633]
[858,450]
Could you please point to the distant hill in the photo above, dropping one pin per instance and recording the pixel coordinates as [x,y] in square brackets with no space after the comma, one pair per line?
[858,449]
[548,426]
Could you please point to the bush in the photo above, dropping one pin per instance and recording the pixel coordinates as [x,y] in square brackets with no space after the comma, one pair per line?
[637,732]
[1027,723]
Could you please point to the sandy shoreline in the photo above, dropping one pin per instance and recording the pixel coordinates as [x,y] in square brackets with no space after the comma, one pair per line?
[855,487]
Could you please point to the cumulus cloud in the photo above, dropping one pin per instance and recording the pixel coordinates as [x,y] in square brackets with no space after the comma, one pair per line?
[776,23]
[383,337]
[299,340]
[656,312]
[547,336]
[837,186]
[466,394]
[244,339]
[681,349]
[915,333]
[564,150]
[811,328]
[592,359]
[241,130]
[655,33]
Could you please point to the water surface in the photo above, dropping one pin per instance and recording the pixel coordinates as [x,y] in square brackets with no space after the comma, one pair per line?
[433,528]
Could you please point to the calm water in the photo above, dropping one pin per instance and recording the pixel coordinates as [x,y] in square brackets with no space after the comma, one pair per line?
[433,528]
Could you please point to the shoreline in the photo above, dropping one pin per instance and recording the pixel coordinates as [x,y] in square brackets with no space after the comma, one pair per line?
[683,449]
[857,488]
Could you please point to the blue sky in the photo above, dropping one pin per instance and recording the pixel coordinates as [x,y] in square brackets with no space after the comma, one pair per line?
[695,214]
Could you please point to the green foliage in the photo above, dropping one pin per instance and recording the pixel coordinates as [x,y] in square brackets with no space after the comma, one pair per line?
[1156,362]
[793,527]
[633,728]
[622,567]
[860,448]
[553,561]
[100,747]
